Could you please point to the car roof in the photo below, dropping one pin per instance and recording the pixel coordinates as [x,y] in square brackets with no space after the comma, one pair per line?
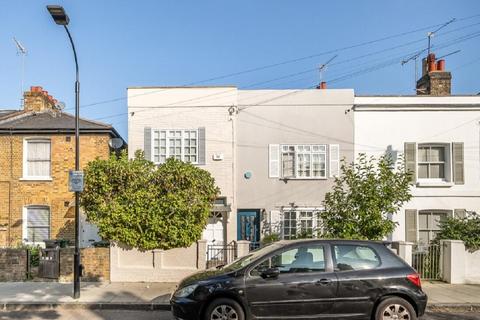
[333,241]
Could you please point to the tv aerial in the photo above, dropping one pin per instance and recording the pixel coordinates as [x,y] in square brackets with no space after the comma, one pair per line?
[22,51]
[323,67]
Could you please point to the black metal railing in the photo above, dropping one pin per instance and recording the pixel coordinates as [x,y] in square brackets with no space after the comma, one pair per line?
[426,260]
[254,245]
[218,255]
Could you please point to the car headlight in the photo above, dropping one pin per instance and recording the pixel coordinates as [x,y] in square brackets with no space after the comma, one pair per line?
[185,291]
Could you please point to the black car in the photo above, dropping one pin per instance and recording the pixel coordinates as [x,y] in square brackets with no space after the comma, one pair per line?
[305,279]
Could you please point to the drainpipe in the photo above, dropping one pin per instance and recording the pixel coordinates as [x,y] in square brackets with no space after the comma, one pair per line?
[9,241]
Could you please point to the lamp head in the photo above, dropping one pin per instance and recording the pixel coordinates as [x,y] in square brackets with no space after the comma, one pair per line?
[58,14]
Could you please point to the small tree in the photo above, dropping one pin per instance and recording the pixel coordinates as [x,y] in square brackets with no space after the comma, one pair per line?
[465,229]
[134,202]
[364,197]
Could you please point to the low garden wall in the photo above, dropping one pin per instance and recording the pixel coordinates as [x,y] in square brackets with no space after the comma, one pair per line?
[132,265]
[459,266]
[13,264]
[95,261]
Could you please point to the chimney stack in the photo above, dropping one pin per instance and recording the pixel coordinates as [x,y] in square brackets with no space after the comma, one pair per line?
[322,85]
[435,81]
[38,100]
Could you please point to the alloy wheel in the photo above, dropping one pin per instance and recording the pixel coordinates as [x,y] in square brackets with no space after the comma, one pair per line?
[224,312]
[396,312]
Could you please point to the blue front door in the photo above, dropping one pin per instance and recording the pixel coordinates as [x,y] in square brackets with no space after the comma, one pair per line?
[248,225]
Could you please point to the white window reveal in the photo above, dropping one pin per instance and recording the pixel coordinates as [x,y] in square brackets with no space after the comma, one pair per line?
[37,159]
[178,144]
[304,161]
[36,224]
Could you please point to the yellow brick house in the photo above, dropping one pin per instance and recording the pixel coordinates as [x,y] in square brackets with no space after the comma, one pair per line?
[37,150]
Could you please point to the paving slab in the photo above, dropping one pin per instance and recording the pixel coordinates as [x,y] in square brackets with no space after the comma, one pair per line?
[440,293]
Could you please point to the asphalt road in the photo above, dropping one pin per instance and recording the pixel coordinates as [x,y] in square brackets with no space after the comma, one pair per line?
[76,314]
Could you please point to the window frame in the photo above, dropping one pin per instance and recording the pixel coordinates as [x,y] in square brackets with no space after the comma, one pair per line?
[430,212]
[25,175]
[326,252]
[167,144]
[25,224]
[316,223]
[447,163]
[296,163]
[334,258]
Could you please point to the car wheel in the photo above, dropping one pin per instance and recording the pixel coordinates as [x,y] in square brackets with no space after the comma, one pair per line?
[395,308]
[224,309]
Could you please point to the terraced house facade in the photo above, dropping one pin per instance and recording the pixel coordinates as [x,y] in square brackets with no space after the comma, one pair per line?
[274,153]
[37,150]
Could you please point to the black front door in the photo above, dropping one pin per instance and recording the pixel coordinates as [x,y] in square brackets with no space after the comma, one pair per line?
[305,287]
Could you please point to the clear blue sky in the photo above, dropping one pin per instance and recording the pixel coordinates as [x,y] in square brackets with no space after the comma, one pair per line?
[155,43]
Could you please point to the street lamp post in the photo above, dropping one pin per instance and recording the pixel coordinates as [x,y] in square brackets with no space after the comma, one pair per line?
[61,18]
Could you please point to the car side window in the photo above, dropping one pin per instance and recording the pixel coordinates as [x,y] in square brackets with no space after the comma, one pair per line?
[355,257]
[307,258]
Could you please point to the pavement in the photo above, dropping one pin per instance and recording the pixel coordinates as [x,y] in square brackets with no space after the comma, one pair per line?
[442,294]
[75,314]
[129,296]
[155,296]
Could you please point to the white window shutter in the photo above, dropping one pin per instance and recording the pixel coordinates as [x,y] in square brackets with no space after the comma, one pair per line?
[274,160]
[147,140]
[334,156]
[275,221]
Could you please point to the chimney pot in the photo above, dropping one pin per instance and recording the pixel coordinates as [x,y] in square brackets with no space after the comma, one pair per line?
[441,65]
[322,85]
[435,81]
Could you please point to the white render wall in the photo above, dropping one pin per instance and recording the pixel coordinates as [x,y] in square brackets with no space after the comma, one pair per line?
[382,123]
[190,108]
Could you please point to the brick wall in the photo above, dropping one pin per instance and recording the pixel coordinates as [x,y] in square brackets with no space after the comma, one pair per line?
[16,193]
[96,263]
[13,264]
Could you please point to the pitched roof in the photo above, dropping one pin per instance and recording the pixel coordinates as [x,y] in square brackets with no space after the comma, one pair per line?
[6,113]
[50,122]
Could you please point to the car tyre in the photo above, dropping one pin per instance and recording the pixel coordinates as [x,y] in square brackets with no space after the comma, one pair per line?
[395,308]
[224,308]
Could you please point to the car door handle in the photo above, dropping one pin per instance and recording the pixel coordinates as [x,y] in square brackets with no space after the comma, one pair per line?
[323,281]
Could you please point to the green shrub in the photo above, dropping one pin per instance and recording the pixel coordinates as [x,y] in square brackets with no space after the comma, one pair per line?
[465,229]
[270,238]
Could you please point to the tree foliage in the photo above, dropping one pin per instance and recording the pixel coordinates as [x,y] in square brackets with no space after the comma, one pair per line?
[465,229]
[364,197]
[135,202]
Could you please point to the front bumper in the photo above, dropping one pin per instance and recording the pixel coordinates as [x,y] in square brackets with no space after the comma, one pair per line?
[185,309]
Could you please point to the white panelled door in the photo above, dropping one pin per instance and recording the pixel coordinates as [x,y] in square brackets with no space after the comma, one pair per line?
[213,233]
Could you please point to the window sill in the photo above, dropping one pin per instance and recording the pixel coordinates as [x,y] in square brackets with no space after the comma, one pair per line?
[434,184]
[305,179]
[39,244]
[36,179]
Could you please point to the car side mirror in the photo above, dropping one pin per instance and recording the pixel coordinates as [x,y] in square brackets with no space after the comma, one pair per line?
[270,273]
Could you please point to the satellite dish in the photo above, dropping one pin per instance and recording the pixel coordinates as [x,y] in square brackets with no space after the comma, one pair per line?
[115,143]
[60,105]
